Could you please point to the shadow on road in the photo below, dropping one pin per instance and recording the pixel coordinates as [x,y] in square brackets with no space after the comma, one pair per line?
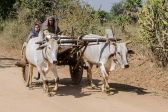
[66,88]
[117,87]
[7,62]
[8,59]
[128,88]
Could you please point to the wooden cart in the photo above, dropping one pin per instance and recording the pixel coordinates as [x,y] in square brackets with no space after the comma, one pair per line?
[71,53]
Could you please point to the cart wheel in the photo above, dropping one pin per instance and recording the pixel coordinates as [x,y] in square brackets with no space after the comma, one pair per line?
[76,74]
[25,73]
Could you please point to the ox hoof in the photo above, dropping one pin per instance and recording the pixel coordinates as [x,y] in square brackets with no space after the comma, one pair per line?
[45,89]
[50,94]
[27,85]
[106,90]
[93,86]
[55,90]
[110,91]
[30,87]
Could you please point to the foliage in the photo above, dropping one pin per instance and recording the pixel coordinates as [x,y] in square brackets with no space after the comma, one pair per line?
[131,8]
[40,8]
[125,11]
[6,7]
[82,19]
[117,9]
[153,20]
[132,5]
[72,15]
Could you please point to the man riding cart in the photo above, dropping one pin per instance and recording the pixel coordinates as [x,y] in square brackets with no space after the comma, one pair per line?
[50,26]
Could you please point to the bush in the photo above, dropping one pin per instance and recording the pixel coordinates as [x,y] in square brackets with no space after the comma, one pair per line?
[14,34]
[153,20]
[81,19]
[72,15]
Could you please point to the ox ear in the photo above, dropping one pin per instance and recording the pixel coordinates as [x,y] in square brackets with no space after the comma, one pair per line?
[131,52]
[128,42]
[48,36]
[40,42]
[41,47]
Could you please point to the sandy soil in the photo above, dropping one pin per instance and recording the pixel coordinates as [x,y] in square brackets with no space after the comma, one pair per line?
[143,73]
[15,97]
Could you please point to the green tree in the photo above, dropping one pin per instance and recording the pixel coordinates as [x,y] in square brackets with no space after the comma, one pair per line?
[71,15]
[103,16]
[117,9]
[39,8]
[82,18]
[119,16]
[131,7]
[5,8]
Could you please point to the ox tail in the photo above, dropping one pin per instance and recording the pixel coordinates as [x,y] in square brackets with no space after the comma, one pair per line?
[38,76]
[24,73]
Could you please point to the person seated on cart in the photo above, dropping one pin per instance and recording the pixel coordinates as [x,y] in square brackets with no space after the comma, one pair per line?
[34,33]
[50,27]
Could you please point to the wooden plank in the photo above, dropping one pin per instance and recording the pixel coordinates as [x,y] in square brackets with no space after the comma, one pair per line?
[87,40]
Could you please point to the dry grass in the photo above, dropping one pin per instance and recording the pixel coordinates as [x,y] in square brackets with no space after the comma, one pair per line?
[13,34]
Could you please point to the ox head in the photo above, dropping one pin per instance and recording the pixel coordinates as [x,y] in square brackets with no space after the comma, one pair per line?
[121,55]
[50,48]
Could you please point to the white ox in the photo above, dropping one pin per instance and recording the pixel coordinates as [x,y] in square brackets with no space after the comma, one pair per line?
[102,55]
[99,54]
[44,57]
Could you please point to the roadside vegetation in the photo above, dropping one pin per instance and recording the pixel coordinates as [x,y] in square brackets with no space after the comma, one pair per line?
[145,23]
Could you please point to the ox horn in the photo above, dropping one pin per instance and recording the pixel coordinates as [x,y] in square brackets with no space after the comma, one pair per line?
[42,46]
[128,42]
[40,42]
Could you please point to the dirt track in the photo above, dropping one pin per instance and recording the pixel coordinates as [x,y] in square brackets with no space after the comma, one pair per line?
[15,97]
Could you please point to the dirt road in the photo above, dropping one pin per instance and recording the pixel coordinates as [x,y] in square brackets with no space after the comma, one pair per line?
[15,97]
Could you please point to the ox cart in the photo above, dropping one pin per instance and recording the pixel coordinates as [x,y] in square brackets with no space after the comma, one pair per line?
[70,53]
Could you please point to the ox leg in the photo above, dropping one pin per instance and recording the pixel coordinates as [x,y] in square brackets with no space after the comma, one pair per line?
[30,69]
[31,75]
[42,73]
[105,86]
[47,68]
[28,78]
[54,70]
[113,65]
[89,74]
